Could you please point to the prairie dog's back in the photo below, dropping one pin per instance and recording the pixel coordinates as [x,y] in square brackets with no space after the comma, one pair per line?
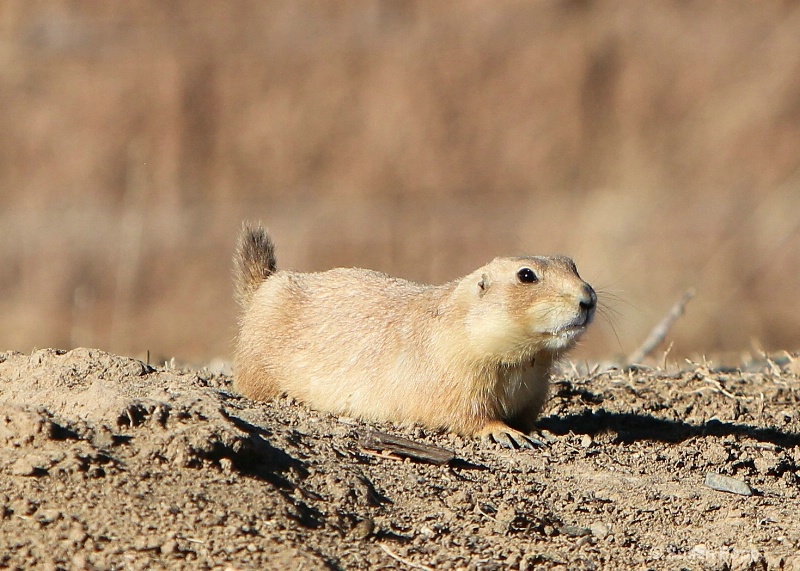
[345,340]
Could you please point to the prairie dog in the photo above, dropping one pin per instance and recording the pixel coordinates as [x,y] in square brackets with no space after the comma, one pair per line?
[473,355]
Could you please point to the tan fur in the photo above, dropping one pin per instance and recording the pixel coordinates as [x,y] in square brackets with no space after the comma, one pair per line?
[472,356]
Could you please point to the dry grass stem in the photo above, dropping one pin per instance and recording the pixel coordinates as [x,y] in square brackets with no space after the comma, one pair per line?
[660,331]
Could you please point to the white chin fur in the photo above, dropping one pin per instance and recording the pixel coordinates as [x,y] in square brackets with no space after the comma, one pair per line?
[564,338]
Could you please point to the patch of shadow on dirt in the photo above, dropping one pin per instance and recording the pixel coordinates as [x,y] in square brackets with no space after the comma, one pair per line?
[631,427]
[260,458]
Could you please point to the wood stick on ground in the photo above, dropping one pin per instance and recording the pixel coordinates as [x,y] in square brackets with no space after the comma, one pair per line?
[403,447]
[660,331]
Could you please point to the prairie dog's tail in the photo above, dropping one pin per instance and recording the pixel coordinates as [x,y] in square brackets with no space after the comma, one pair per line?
[253,262]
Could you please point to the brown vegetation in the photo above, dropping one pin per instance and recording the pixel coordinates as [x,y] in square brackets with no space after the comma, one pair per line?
[658,144]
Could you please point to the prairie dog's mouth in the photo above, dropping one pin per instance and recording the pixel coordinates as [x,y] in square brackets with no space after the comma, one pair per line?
[567,330]
[574,327]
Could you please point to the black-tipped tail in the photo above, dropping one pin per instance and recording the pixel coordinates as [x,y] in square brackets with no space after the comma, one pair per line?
[253,262]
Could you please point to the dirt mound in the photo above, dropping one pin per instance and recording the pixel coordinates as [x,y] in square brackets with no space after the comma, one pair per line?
[107,462]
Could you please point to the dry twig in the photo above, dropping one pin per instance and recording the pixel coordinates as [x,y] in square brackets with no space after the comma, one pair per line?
[403,447]
[660,331]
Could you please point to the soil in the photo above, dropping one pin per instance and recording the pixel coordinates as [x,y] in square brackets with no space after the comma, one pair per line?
[109,463]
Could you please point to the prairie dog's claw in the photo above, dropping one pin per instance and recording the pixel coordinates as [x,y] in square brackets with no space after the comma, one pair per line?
[507,437]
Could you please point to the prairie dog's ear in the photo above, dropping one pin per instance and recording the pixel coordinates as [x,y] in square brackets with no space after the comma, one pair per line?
[483,285]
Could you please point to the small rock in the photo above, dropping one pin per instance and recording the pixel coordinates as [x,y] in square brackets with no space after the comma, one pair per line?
[575,530]
[226,465]
[23,467]
[586,441]
[504,516]
[77,534]
[548,436]
[47,515]
[426,532]
[727,484]
[599,529]
[169,547]
[700,550]
[103,438]
[364,528]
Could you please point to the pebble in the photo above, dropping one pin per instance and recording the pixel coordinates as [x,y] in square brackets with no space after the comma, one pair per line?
[169,547]
[727,484]
[574,530]
[103,438]
[77,533]
[426,532]
[48,515]
[23,467]
[226,464]
[364,528]
[599,529]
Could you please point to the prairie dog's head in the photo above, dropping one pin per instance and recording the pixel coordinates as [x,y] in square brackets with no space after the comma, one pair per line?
[521,306]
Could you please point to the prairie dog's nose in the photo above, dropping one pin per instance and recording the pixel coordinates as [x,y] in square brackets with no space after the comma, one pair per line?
[588,299]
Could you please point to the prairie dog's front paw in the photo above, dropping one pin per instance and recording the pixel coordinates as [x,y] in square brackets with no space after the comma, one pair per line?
[502,434]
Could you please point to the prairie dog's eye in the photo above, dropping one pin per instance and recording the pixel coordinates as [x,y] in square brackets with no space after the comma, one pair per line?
[527,276]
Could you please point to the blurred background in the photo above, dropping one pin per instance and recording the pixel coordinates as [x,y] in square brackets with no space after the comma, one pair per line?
[656,143]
